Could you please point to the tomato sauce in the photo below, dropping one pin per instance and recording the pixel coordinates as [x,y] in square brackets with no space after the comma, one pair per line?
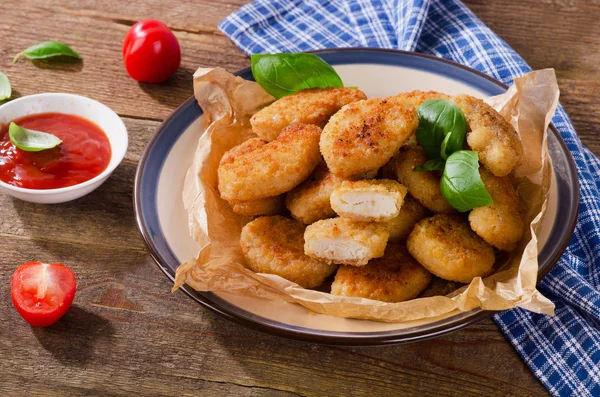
[84,153]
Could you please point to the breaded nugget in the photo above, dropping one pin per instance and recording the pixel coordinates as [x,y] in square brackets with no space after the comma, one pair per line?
[416,98]
[275,245]
[501,223]
[344,241]
[447,247]
[395,277]
[309,201]
[497,142]
[411,212]
[364,135]
[368,200]
[265,206]
[423,186]
[257,169]
[311,106]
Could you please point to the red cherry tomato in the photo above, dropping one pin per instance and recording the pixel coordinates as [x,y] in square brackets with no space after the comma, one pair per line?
[151,52]
[42,293]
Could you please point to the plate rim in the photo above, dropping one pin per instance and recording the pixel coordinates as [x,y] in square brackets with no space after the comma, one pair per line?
[338,337]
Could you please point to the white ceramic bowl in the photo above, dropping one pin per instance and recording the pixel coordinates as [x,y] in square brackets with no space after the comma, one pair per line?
[77,105]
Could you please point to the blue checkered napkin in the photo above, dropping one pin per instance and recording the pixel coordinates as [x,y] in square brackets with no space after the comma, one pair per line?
[562,351]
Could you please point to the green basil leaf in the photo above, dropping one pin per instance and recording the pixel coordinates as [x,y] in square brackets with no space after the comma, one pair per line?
[31,140]
[442,128]
[5,89]
[461,184]
[285,73]
[48,49]
[431,165]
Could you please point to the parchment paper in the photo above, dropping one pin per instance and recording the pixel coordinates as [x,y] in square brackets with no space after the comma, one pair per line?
[229,101]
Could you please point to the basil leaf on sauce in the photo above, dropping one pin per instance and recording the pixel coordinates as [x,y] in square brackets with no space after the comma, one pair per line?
[286,73]
[431,165]
[442,128]
[5,89]
[31,140]
[48,49]
[461,184]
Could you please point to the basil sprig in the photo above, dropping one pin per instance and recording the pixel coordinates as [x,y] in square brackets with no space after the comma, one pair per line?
[31,140]
[285,73]
[441,132]
[442,128]
[5,89]
[461,184]
[431,165]
[48,49]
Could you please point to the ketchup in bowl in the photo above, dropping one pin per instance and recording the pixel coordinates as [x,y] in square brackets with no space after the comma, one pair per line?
[83,154]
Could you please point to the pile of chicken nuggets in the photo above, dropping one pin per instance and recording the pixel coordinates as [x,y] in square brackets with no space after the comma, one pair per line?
[331,184]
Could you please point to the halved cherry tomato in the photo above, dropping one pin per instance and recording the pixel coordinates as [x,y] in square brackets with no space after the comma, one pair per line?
[151,52]
[42,293]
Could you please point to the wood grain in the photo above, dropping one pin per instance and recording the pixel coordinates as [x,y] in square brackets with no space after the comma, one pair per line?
[127,334]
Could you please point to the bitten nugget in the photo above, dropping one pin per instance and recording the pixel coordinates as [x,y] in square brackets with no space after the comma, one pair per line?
[309,201]
[265,206]
[497,142]
[447,247]
[368,200]
[311,106]
[395,277]
[257,169]
[275,245]
[364,135]
[423,186]
[501,223]
[411,212]
[343,241]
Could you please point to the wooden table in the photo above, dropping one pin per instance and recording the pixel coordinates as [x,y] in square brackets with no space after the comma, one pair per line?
[126,332]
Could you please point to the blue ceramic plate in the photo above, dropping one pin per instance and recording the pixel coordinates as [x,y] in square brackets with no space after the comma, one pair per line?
[162,219]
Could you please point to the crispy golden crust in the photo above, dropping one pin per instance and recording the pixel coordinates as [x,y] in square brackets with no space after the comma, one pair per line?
[275,245]
[411,212]
[395,277]
[423,186]
[343,241]
[500,224]
[368,200]
[265,206]
[447,247]
[364,135]
[312,106]
[309,201]
[497,142]
[257,169]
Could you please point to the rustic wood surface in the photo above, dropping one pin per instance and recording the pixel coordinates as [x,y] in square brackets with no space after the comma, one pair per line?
[126,333]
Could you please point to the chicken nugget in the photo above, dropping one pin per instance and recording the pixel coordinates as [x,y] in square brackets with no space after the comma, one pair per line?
[265,206]
[495,139]
[501,223]
[363,136]
[423,186]
[275,245]
[411,212]
[257,169]
[344,241]
[395,277]
[447,247]
[414,99]
[311,106]
[368,200]
[309,201]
